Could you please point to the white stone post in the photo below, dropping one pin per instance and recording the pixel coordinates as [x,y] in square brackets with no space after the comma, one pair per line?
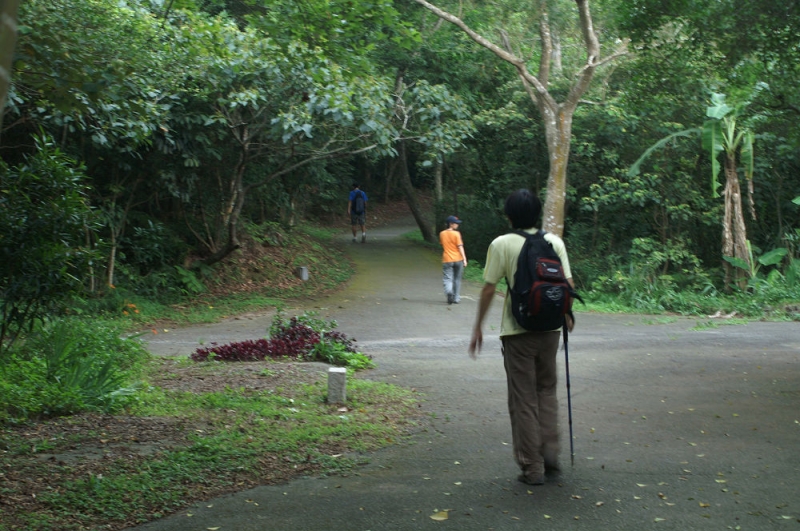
[301,273]
[337,385]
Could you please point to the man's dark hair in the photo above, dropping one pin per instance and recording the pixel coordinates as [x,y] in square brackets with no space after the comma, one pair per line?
[355,185]
[523,209]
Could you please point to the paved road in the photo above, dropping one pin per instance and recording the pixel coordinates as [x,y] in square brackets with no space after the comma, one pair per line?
[676,427]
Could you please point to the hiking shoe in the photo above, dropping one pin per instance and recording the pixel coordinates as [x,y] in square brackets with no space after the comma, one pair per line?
[354,239]
[551,469]
[531,480]
[450,298]
[363,238]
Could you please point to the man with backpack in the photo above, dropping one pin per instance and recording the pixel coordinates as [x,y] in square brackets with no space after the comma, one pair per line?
[529,356]
[357,210]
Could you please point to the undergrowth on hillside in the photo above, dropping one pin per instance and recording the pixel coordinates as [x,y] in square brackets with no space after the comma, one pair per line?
[263,273]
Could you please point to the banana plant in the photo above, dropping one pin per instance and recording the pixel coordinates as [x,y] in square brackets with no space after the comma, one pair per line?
[719,134]
[722,134]
[771,258]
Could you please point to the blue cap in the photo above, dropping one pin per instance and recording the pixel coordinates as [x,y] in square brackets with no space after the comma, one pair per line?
[453,219]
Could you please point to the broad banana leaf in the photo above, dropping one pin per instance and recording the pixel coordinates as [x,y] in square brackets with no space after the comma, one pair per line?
[737,262]
[635,167]
[718,109]
[773,257]
[712,141]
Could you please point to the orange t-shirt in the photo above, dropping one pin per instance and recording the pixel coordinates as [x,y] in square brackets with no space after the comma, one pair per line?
[450,240]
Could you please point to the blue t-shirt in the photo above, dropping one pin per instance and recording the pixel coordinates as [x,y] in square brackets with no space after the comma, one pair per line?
[353,195]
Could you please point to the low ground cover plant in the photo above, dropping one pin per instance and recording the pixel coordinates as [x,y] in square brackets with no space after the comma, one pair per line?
[70,366]
[303,337]
[97,434]
[197,431]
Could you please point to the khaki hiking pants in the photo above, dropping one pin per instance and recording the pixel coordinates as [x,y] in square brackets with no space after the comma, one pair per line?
[530,362]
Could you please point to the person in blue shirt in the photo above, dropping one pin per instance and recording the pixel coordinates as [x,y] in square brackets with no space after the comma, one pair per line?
[357,210]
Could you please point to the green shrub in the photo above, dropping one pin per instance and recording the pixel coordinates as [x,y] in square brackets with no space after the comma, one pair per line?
[149,245]
[67,367]
[303,337]
[44,218]
[337,353]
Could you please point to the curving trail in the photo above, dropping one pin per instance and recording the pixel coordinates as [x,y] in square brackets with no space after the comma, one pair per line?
[675,428]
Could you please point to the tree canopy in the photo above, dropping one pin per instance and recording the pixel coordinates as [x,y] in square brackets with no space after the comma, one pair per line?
[191,120]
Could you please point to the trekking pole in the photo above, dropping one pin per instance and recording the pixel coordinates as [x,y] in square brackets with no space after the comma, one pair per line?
[569,396]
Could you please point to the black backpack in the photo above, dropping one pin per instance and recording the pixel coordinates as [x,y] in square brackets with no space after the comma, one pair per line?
[541,295]
[358,202]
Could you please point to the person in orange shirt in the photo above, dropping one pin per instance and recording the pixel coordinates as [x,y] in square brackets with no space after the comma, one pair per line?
[454,260]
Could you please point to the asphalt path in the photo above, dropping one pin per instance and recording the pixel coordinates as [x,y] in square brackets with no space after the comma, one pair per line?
[678,423]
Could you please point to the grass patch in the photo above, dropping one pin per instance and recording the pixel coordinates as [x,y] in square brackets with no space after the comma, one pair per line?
[416,237]
[321,233]
[705,325]
[659,320]
[208,309]
[198,431]
[474,273]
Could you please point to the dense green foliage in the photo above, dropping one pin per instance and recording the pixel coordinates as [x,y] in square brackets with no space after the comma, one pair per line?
[150,148]
[191,121]
[44,221]
[71,366]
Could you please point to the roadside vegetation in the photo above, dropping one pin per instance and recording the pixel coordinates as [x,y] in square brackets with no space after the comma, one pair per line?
[642,288]
[248,424]
[171,163]
[95,433]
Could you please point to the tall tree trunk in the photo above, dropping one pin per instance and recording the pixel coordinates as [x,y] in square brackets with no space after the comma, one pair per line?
[117,223]
[112,259]
[558,67]
[557,117]
[8,40]
[232,205]
[734,230]
[402,166]
[558,133]
[425,226]
[437,180]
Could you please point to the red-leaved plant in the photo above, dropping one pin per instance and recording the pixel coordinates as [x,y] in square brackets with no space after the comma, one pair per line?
[298,338]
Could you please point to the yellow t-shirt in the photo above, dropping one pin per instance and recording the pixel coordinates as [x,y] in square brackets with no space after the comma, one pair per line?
[501,262]
[450,240]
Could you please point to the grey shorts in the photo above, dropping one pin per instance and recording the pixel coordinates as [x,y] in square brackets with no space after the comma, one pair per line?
[358,219]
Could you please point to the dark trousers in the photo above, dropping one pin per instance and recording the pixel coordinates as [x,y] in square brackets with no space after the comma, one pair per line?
[530,362]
